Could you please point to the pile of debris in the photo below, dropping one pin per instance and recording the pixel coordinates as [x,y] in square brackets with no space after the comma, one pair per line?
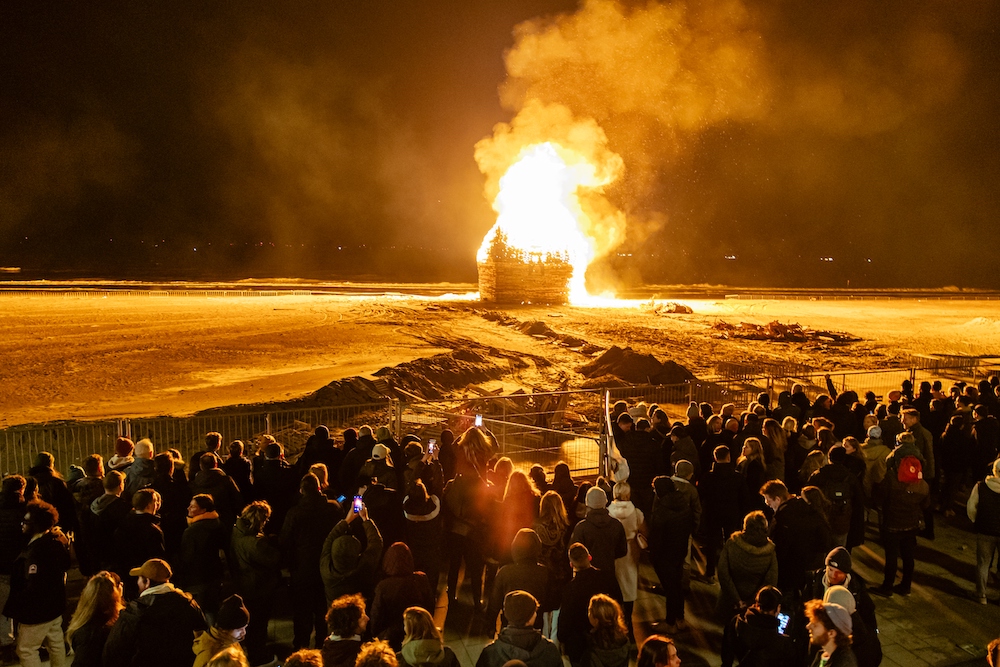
[620,366]
[778,332]
[666,308]
[539,329]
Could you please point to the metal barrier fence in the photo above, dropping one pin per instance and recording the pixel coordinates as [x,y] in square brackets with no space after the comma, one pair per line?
[71,442]
[542,428]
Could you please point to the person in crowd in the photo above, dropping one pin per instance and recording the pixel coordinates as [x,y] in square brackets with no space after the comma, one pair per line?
[983,509]
[814,460]
[525,573]
[800,446]
[799,535]
[344,567]
[517,510]
[256,566]
[213,443]
[682,479]
[12,541]
[603,535]
[175,495]
[645,460]
[670,529]
[608,643]
[423,644]
[306,526]
[838,571]
[37,597]
[776,441]
[986,433]
[830,631]
[347,623]
[50,486]
[855,461]
[875,453]
[90,487]
[552,529]
[538,477]
[865,643]
[658,651]
[955,453]
[842,488]
[155,630]
[376,654]
[466,503]
[588,581]
[923,440]
[139,536]
[199,565]
[725,499]
[213,480]
[424,531]
[519,640]
[229,629]
[142,472]
[97,610]
[380,468]
[350,467]
[122,458]
[563,484]
[102,521]
[905,495]
[683,448]
[238,467]
[401,588]
[304,658]
[753,637]
[275,483]
[627,567]
[751,463]
[748,563]
[320,448]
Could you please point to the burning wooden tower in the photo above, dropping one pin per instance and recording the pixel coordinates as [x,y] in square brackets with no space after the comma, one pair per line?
[512,275]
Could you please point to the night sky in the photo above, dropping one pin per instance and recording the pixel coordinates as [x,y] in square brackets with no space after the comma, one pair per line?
[335,139]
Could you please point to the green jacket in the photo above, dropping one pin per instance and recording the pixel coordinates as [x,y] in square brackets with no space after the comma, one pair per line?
[344,567]
[256,562]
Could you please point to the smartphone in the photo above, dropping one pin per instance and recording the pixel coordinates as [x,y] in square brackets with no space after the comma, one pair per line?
[432,446]
[479,420]
[357,504]
[341,499]
[782,623]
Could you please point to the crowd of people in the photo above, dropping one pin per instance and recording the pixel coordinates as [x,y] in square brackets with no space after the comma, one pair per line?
[185,559]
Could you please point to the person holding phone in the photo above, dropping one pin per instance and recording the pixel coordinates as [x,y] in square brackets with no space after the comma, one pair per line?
[754,637]
[344,567]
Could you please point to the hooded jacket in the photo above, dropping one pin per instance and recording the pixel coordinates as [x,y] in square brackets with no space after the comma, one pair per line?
[983,509]
[38,580]
[745,565]
[524,574]
[228,499]
[627,567]
[140,474]
[156,630]
[603,536]
[617,656]
[344,567]
[524,644]
[256,562]
[306,526]
[199,562]
[752,639]
[426,653]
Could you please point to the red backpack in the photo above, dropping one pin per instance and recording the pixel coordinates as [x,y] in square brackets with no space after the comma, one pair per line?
[910,470]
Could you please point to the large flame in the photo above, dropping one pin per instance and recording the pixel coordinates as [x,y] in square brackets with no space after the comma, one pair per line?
[539,209]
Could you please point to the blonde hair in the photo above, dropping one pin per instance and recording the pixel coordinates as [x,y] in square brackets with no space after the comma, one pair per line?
[101,598]
[322,474]
[231,656]
[419,624]
[552,511]
[756,450]
[256,515]
[623,491]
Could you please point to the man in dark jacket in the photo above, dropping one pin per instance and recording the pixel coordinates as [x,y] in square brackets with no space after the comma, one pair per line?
[274,482]
[354,459]
[519,640]
[645,461]
[725,500]
[830,628]
[602,534]
[50,487]
[200,564]
[753,638]
[588,581]
[902,518]
[12,540]
[842,488]
[525,574]
[156,630]
[983,509]
[38,586]
[345,568]
[213,441]
[670,527]
[138,537]
[986,432]
[799,534]
[839,572]
[321,448]
[306,526]
[212,480]
[142,472]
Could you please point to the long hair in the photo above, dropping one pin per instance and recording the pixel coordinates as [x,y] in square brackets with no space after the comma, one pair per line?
[655,651]
[606,616]
[756,450]
[552,511]
[815,497]
[322,474]
[256,515]
[519,487]
[773,430]
[815,460]
[419,624]
[101,599]
[476,446]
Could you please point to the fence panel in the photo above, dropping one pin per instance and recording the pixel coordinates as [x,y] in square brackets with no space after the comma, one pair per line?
[68,442]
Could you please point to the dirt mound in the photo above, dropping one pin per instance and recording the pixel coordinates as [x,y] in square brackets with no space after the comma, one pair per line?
[629,365]
[537,328]
[435,377]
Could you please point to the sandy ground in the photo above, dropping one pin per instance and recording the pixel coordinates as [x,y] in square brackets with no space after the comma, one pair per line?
[88,357]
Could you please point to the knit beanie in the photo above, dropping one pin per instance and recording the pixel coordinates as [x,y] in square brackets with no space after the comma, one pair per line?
[124,447]
[875,432]
[840,558]
[596,498]
[842,596]
[518,607]
[841,619]
[232,614]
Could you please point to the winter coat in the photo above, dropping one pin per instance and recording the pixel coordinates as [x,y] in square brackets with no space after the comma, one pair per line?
[670,526]
[875,453]
[524,644]
[137,539]
[106,514]
[751,639]
[983,506]
[38,580]
[753,472]
[904,505]
[12,540]
[685,449]
[424,534]
[140,475]
[274,481]
[256,562]
[306,526]
[344,567]
[627,567]
[609,656]
[924,442]
[379,470]
[226,495]
[525,574]
[842,488]
[801,541]
[239,470]
[199,562]
[209,643]
[51,488]
[155,631]
[426,653]
[88,643]
[690,492]
[393,596]
[725,498]
[175,496]
[603,536]
[744,567]
[573,624]
[465,505]
[341,652]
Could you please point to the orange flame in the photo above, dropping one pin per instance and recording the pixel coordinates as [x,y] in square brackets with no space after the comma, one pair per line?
[540,213]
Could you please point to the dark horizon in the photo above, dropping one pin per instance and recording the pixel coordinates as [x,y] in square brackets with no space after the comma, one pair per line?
[267,137]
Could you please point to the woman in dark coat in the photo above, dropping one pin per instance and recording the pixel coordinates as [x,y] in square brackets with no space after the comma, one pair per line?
[402,588]
[518,510]
[175,495]
[563,484]
[98,609]
[256,564]
[669,529]
[751,465]
[424,531]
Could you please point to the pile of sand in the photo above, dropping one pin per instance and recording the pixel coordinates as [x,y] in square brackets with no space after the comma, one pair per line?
[633,368]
